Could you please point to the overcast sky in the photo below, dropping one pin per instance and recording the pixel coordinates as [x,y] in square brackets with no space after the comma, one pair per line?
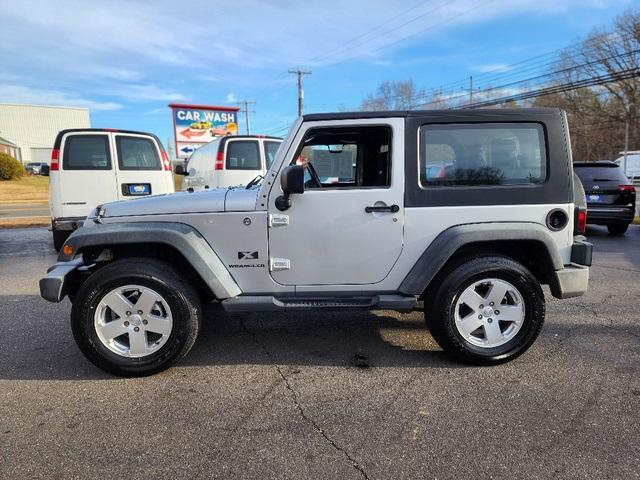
[126,60]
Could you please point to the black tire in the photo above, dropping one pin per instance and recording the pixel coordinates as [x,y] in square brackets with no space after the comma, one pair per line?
[617,229]
[59,237]
[441,304]
[162,278]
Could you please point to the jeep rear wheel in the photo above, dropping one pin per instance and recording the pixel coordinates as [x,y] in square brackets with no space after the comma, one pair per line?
[135,317]
[617,229]
[486,310]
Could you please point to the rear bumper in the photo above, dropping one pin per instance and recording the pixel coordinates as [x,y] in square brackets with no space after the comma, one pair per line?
[67,223]
[52,285]
[605,215]
[573,279]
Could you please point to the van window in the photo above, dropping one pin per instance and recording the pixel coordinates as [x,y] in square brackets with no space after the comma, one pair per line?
[136,153]
[482,154]
[243,155]
[270,150]
[86,152]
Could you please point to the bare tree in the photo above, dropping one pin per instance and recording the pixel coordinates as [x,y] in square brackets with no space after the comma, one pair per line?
[393,95]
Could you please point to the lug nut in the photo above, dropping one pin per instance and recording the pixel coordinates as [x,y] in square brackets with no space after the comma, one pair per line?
[497,312]
[481,306]
[128,313]
[126,324]
[480,316]
[139,312]
[491,304]
[145,322]
[136,329]
[490,320]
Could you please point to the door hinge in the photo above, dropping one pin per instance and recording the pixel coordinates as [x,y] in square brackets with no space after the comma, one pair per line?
[277,264]
[278,220]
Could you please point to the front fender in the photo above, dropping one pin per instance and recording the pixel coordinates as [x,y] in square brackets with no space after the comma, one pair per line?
[184,238]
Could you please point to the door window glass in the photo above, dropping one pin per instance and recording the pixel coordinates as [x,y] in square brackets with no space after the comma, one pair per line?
[86,152]
[243,155]
[270,150]
[135,153]
[482,154]
[346,157]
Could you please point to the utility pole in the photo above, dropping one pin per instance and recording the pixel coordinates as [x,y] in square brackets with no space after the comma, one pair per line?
[300,74]
[626,145]
[244,107]
[470,90]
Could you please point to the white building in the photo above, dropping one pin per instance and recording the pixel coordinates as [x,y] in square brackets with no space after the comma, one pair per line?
[33,128]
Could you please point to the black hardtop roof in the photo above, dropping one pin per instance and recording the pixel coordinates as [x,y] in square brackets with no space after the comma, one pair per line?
[454,114]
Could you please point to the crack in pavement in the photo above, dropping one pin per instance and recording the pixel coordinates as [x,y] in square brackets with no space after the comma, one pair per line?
[294,395]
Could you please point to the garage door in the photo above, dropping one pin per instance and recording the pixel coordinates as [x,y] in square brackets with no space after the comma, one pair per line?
[40,155]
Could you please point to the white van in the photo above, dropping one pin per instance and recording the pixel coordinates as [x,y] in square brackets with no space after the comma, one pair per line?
[633,165]
[92,166]
[229,161]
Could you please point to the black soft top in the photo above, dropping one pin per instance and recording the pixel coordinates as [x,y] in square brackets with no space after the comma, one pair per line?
[457,113]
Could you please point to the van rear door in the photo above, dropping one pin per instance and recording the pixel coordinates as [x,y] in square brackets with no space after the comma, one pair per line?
[140,170]
[242,161]
[86,176]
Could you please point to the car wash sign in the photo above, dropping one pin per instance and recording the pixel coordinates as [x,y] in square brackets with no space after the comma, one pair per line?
[195,125]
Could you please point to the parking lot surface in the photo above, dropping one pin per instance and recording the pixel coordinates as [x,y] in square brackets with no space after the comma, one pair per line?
[325,394]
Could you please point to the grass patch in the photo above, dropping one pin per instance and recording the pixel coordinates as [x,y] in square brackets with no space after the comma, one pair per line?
[177,182]
[28,189]
[636,221]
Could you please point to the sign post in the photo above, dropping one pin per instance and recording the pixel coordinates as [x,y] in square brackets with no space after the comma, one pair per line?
[196,125]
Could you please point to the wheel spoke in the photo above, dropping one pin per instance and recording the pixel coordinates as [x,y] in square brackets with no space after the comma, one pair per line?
[510,313]
[497,292]
[158,325]
[137,343]
[492,332]
[469,324]
[471,299]
[146,301]
[118,303]
[112,329]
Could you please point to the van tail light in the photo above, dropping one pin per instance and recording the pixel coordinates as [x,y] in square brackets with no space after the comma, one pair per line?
[166,164]
[55,160]
[627,189]
[581,220]
[219,161]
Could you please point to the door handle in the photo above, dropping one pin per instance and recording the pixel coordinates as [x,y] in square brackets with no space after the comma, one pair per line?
[382,208]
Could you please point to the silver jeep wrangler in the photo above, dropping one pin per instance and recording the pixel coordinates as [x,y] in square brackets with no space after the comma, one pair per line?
[470,212]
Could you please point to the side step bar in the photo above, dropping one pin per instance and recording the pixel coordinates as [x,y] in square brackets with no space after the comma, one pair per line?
[264,303]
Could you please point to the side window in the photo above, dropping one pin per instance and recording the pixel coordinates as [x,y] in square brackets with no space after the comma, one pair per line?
[270,150]
[136,153]
[346,157]
[482,154]
[86,152]
[243,155]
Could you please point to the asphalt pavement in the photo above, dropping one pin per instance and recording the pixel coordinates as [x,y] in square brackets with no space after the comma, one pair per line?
[325,394]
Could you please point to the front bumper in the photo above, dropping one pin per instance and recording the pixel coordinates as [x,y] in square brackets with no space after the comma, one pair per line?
[52,285]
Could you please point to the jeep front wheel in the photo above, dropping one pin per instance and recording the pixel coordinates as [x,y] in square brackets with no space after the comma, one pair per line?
[135,317]
[486,310]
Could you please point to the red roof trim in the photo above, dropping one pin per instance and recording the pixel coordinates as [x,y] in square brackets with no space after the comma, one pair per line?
[203,107]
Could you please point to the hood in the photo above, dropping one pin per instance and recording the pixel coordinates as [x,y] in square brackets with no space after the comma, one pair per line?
[205,201]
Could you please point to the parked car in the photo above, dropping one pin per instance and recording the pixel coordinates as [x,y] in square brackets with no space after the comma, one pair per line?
[35,168]
[633,165]
[229,161]
[92,166]
[611,199]
[475,247]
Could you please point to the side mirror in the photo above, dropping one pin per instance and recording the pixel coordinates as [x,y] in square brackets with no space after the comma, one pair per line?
[180,170]
[291,181]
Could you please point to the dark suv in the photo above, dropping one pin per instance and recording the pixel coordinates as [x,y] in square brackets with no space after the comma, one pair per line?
[611,200]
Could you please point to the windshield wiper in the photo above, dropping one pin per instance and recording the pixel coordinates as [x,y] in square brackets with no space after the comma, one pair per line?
[254,182]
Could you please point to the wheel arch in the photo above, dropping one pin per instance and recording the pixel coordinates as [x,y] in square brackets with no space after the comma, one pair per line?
[180,244]
[527,243]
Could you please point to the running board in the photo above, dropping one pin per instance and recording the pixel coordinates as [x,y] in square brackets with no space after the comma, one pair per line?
[264,303]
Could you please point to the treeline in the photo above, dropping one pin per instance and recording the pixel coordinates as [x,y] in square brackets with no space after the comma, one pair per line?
[600,114]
